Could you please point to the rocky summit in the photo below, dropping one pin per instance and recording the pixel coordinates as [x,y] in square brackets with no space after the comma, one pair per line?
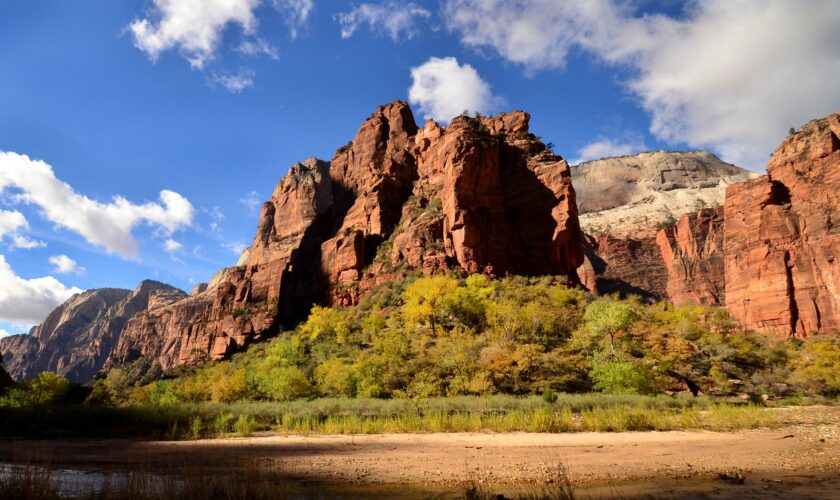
[485,195]
[632,195]
[482,194]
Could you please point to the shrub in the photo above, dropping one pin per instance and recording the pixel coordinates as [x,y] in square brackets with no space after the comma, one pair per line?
[622,377]
[549,396]
[283,383]
[245,426]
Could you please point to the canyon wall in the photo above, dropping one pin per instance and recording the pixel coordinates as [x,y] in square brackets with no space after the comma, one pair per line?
[479,195]
[782,237]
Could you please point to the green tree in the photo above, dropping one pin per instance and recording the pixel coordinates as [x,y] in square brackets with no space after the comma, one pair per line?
[607,318]
[283,383]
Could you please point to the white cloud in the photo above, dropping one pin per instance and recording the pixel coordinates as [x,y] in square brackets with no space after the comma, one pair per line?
[396,19]
[194,27]
[258,46]
[444,89]
[604,147]
[251,201]
[65,265]
[107,225]
[234,83]
[172,246]
[19,241]
[4,333]
[729,75]
[236,247]
[12,223]
[297,13]
[29,300]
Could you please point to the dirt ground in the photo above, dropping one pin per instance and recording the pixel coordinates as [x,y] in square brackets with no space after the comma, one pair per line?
[796,461]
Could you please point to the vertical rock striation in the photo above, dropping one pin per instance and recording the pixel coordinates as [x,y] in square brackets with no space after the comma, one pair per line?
[692,251]
[782,237]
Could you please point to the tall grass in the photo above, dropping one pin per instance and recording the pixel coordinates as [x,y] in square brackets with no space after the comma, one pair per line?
[569,413]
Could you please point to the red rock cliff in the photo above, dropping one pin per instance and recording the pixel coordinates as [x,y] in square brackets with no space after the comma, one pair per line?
[782,237]
[692,251]
[481,195]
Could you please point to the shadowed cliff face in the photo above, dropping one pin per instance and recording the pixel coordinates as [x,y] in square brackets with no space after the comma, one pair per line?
[76,338]
[481,195]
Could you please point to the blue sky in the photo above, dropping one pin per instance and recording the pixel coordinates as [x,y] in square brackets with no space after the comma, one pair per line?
[215,100]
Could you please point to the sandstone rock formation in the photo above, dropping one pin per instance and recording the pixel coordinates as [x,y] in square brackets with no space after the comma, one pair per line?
[624,265]
[633,196]
[782,237]
[692,251]
[78,336]
[480,195]
[630,206]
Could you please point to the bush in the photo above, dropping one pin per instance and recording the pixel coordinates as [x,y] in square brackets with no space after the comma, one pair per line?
[622,377]
[245,426]
[44,389]
[283,384]
[549,396]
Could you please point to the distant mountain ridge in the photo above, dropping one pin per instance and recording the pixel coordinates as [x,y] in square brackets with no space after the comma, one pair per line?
[632,195]
[76,338]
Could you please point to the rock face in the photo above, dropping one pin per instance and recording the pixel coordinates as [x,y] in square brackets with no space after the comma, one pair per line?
[692,251]
[77,337]
[490,198]
[627,266]
[629,196]
[480,195]
[782,237]
[630,204]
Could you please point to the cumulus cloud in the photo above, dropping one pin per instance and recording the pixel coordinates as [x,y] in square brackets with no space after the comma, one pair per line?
[234,83]
[65,265]
[12,223]
[443,89]
[195,27]
[29,300]
[107,225]
[19,241]
[394,19]
[604,147]
[728,75]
